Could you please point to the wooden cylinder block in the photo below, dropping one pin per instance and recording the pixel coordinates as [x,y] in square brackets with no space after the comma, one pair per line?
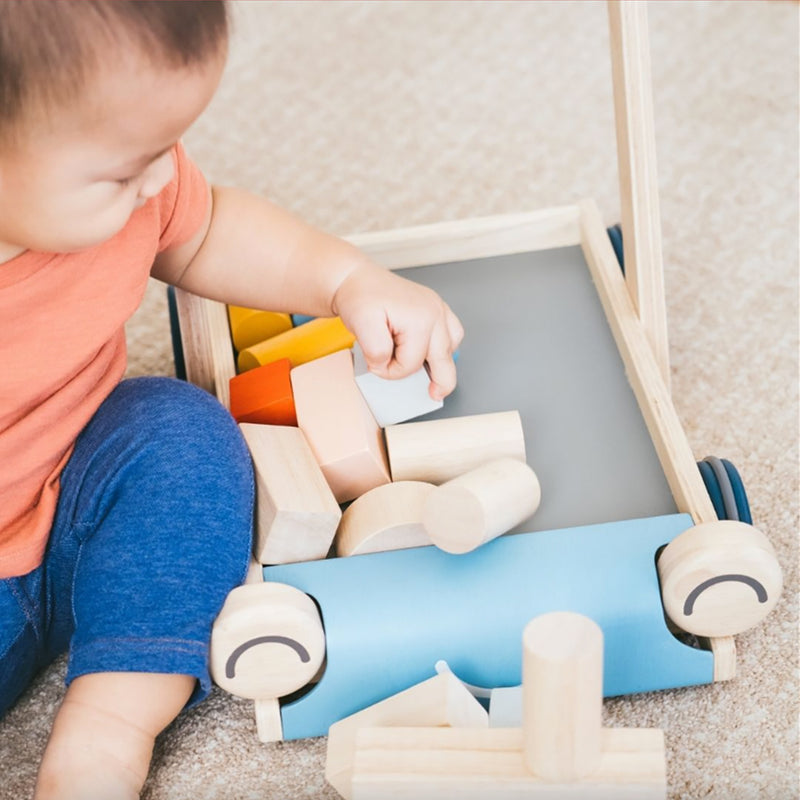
[719,578]
[267,641]
[388,517]
[250,326]
[437,450]
[562,696]
[315,339]
[480,505]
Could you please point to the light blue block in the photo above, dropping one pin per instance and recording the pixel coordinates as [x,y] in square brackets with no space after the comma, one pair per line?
[300,319]
[389,617]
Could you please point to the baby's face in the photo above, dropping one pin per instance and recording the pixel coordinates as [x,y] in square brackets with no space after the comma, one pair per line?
[75,183]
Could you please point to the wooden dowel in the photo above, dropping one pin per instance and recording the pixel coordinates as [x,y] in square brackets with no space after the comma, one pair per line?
[562,696]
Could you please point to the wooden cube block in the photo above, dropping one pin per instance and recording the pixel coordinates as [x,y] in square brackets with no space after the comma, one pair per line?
[250,326]
[393,401]
[315,339]
[342,433]
[441,700]
[264,395]
[297,514]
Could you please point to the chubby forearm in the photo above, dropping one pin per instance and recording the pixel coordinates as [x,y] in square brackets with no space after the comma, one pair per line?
[249,252]
[258,255]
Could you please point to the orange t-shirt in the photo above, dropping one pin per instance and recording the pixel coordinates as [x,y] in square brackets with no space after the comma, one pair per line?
[62,351]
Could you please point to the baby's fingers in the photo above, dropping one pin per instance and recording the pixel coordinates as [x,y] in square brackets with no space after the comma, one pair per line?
[441,367]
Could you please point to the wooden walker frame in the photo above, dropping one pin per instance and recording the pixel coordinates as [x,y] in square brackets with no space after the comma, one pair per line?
[633,304]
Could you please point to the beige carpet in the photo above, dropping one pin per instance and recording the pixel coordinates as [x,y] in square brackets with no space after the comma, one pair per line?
[370,116]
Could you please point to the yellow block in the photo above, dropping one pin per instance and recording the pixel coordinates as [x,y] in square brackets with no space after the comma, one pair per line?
[250,326]
[314,339]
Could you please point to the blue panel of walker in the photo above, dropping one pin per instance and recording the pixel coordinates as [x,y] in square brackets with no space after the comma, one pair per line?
[389,617]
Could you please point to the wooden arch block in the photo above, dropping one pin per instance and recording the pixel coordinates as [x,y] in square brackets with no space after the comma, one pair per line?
[315,339]
[388,517]
[296,512]
[341,431]
[264,395]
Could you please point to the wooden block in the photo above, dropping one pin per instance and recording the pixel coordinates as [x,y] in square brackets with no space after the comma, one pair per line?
[562,696]
[388,517]
[315,339]
[250,326]
[264,395]
[341,431]
[393,401]
[297,514]
[441,700]
[438,450]
[480,505]
[561,750]
[267,641]
[719,578]
[394,763]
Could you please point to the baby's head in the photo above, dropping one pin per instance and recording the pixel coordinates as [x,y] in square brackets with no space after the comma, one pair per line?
[93,96]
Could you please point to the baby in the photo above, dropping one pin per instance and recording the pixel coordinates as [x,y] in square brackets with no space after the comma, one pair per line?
[126,505]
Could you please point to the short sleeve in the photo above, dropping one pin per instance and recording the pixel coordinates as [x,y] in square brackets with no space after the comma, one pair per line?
[182,202]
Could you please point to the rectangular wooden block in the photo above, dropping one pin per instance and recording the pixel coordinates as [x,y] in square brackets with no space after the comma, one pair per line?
[264,395]
[250,325]
[315,339]
[342,433]
[441,700]
[394,763]
[393,401]
[297,514]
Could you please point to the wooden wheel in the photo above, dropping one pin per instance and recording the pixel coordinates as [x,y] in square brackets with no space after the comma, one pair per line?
[267,641]
[719,578]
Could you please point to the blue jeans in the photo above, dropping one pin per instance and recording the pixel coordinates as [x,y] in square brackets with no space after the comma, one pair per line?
[152,530]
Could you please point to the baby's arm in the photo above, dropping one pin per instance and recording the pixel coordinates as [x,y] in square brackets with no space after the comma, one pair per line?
[252,253]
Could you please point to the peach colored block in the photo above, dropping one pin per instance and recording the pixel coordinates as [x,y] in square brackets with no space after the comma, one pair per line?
[342,433]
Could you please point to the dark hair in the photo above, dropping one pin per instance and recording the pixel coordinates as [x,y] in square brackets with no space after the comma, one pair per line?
[48,48]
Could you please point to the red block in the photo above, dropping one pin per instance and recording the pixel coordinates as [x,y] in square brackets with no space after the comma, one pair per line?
[264,395]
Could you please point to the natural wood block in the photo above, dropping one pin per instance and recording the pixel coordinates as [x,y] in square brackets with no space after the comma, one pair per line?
[427,763]
[441,700]
[315,339]
[250,325]
[264,395]
[296,512]
[480,505]
[388,517]
[267,641]
[438,450]
[393,401]
[719,578]
[562,696]
[341,431]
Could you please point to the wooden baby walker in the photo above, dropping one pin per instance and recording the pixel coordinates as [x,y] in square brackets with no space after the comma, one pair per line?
[388,620]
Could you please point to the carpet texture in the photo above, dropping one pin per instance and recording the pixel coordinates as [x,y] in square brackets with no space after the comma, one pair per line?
[378,115]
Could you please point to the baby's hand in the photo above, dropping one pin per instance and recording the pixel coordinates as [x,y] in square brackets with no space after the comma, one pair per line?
[400,326]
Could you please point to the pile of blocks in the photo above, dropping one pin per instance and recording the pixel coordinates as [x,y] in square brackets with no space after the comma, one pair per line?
[323,432]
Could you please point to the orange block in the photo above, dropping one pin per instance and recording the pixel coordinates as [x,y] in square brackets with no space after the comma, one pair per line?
[264,395]
[250,326]
[315,339]
[341,431]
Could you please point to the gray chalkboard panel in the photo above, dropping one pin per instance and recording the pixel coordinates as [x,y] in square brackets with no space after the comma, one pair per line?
[537,340]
